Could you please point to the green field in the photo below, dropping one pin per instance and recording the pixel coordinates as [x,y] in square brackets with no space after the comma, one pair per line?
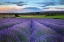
[41,16]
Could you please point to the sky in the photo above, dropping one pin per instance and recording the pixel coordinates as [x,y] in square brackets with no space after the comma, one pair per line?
[23,6]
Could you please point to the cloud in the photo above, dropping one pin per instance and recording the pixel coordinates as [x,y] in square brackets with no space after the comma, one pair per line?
[57,6]
[52,3]
[47,3]
[33,8]
[61,2]
[53,9]
[2,3]
[20,3]
[10,7]
[28,9]
[24,10]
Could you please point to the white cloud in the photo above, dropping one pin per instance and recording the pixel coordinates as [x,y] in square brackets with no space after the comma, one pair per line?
[57,6]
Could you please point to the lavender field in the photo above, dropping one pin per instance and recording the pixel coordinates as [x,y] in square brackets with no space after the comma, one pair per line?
[31,30]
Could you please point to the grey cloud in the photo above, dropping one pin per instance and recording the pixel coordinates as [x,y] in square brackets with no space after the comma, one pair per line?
[61,2]
[59,8]
[2,3]
[15,2]
[47,3]
[20,3]
[43,6]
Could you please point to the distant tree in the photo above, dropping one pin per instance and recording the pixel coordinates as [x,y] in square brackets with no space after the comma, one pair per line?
[37,13]
[16,15]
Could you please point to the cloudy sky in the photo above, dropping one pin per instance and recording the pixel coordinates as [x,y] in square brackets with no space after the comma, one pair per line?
[22,6]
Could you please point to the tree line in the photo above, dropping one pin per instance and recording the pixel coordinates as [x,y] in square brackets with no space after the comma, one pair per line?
[37,13]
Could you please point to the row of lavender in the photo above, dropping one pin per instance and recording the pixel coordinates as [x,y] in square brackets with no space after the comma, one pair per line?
[29,30]
[8,22]
[15,30]
[41,33]
[16,33]
[55,24]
